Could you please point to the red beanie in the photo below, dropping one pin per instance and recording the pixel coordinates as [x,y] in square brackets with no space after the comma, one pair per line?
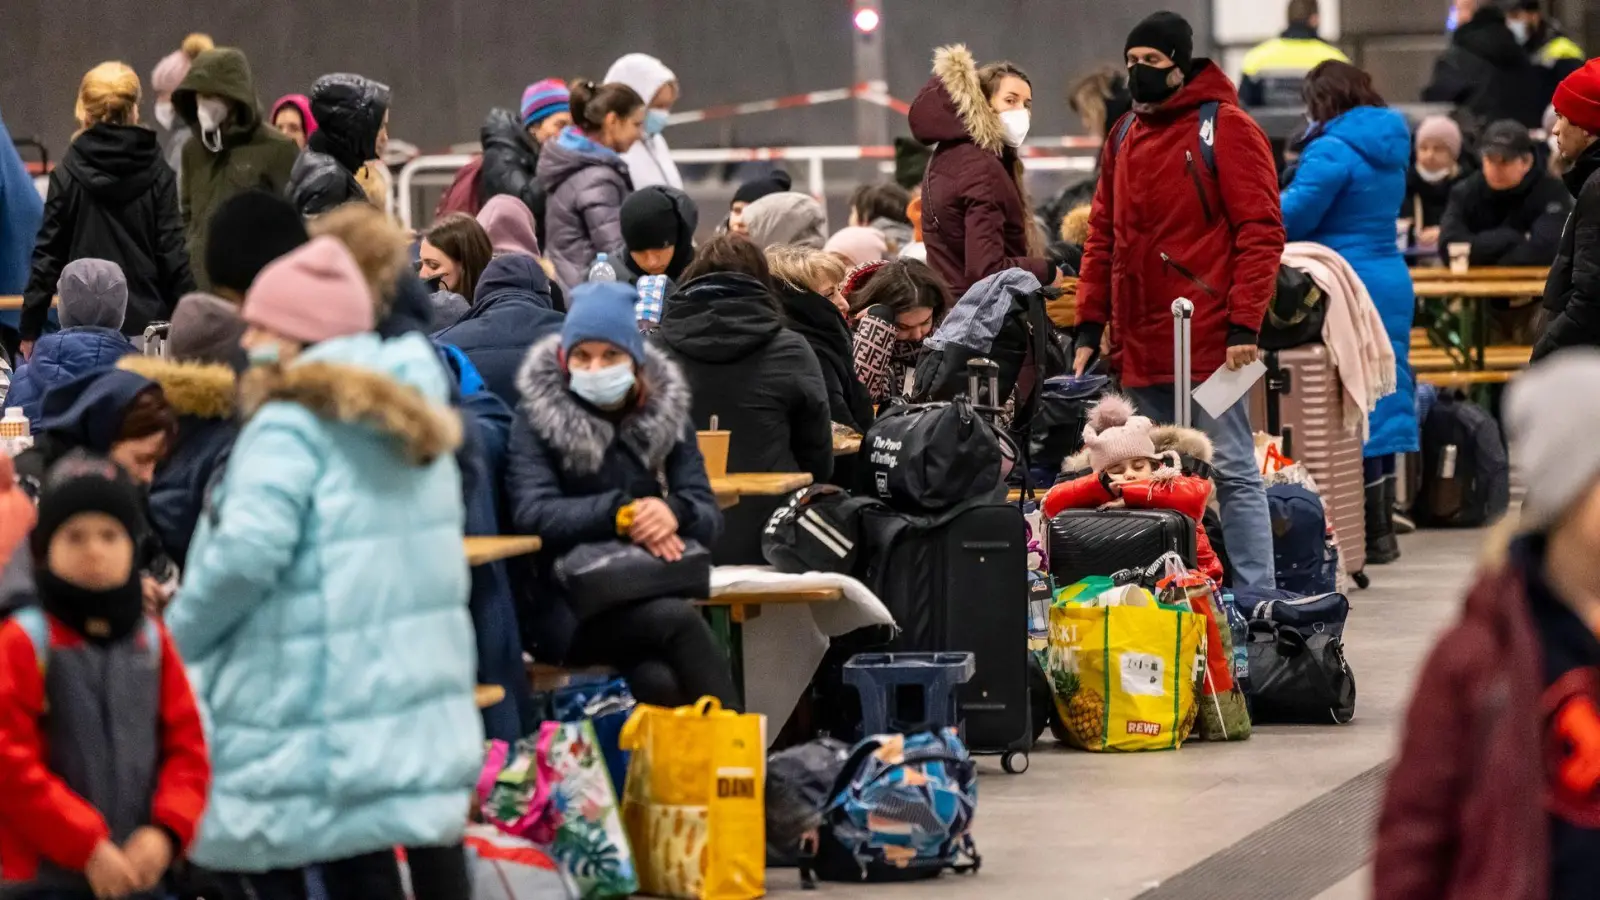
[1578,97]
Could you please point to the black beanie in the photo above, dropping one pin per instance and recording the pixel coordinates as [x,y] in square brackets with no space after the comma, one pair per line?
[1168,32]
[650,219]
[82,482]
[775,182]
[248,231]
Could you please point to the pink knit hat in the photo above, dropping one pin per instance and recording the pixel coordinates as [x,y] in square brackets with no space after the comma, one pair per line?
[311,294]
[858,244]
[1114,434]
[509,224]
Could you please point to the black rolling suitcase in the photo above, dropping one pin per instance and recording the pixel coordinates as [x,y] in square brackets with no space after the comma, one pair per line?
[961,584]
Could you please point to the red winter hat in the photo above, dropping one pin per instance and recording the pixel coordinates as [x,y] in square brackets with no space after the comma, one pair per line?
[1578,97]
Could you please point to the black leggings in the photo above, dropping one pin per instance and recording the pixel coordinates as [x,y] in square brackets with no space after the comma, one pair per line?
[437,873]
[664,648]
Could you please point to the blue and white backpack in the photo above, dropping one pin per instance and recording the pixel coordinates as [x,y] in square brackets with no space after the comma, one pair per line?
[902,810]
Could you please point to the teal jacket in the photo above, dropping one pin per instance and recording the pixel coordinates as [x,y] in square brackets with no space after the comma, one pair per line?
[323,614]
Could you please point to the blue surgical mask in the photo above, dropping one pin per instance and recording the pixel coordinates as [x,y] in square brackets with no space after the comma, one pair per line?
[606,387]
[263,354]
[655,121]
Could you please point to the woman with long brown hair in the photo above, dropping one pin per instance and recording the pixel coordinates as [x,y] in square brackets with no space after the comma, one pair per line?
[1350,181]
[453,255]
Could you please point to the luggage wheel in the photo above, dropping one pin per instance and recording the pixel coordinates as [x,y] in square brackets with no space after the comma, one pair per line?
[1015,762]
[1361,579]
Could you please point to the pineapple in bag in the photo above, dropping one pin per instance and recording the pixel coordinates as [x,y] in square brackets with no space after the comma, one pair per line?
[1080,710]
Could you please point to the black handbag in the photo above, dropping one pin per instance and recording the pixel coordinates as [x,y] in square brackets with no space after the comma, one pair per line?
[1296,312]
[929,457]
[604,575]
[1297,678]
[1086,542]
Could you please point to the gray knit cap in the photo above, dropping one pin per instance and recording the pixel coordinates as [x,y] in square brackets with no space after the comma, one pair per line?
[206,328]
[1553,419]
[92,292]
[787,218]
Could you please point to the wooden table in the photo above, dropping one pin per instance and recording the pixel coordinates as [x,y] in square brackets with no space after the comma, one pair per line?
[1472,344]
[1481,273]
[482,550]
[847,446]
[729,488]
[727,613]
[488,695]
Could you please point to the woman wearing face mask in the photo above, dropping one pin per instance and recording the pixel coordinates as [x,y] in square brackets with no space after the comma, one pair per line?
[650,160]
[976,216]
[1436,170]
[164,79]
[604,447]
[452,257]
[894,306]
[351,112]
[586,178]
[291,115]
[232,151]
[112,198]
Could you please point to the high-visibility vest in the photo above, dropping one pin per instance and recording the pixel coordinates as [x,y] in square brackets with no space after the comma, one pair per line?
[1280,66]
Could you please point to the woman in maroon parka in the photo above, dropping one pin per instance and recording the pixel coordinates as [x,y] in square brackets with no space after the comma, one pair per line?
[975,214]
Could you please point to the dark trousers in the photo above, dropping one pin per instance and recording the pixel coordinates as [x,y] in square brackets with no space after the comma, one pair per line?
[437,873]
[1376,468]
[664,649]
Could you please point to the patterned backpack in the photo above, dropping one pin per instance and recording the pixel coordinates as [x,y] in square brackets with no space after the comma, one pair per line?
[902,811]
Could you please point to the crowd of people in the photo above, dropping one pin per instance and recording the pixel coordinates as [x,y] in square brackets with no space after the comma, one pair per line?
[272,499]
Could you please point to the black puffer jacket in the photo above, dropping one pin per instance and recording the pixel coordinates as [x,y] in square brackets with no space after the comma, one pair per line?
[112,197]
[1519,227]
[1488,74]
[349,110]
[818,321]
[1572,292]
[509,162]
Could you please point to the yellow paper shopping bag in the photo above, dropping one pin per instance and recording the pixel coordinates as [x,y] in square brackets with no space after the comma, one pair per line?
[694,805]
[1124,676]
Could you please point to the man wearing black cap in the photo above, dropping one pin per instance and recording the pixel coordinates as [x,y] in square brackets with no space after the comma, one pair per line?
[1187,206]
[1513,211]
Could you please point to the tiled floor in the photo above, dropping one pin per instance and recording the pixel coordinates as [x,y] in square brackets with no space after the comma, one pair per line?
[1080,826]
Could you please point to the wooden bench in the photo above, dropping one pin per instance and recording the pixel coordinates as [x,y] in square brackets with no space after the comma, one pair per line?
[1481,273]
[734,485]
[487,549]
[1502,356]
[1461,379]
[488,695]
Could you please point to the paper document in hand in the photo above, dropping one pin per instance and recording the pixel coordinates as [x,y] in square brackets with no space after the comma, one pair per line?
[1225,386]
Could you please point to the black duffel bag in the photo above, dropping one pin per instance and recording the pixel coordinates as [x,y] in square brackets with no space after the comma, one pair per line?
[1296,312]
[818,530]
[929,457]
[604,575]
[1298,678]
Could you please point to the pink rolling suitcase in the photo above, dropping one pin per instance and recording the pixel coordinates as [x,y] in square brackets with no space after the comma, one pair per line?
[1301,400]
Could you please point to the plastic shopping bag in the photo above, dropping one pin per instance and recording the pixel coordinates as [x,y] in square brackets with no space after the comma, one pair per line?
[1224,714]
[694,804]
[1125,676]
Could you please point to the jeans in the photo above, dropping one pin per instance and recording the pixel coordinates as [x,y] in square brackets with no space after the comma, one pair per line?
[1246,522]
[437,873]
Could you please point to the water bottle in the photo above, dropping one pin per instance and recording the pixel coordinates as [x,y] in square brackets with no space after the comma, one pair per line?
[601,269]
[15,435]
[1240,629]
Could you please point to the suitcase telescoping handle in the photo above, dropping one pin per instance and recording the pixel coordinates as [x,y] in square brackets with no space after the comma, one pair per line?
[1182,390]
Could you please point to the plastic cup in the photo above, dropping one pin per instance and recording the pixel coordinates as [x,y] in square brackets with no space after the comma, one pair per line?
[1460,258]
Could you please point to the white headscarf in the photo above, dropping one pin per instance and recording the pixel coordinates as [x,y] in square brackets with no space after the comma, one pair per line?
[650,160]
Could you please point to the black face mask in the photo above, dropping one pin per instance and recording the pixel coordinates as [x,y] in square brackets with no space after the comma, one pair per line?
[434,284]
[1148,84]
[102,617]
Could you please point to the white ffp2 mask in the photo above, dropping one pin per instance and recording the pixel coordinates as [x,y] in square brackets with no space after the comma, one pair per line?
[1016,123]
[211,111]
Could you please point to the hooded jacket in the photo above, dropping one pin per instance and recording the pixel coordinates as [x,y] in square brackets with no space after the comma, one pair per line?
[1518,227]
[571,468]
[112,198]
[511,312]
[1164,226]
[324,617]
[202,394]
[510,165]
[253,155]
[60,357]
[1487,73]
[1572,291]
[1352,174]
[975,216]
[678,215]
[349,111]
[21,212]
[586,184]
[649,160]
[815,318]
[83,412]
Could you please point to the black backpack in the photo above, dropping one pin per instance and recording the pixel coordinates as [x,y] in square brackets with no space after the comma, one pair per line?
[818,530]
[930,457]
[1466,473]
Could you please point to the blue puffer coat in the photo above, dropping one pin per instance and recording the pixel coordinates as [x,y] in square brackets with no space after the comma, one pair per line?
[324,614]
[59,358]
[570,470]
[21,213]
[1351,179]
[511,311]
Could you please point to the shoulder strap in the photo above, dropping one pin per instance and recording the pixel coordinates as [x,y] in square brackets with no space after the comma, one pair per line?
[1122,132]
[1208,135]
[37,627]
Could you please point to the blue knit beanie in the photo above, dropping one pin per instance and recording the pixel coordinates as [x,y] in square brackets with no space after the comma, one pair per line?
[543,99]
[603,311]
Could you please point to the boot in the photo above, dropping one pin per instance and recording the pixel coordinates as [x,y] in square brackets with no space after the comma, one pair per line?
[1403,524]
[1382,547]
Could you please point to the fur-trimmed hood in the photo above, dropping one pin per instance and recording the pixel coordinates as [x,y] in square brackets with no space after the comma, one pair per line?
[363,380]
[1168,439]
[951,106]
[202,390]
[579,436]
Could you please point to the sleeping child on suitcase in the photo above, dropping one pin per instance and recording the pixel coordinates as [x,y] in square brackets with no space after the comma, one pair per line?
[1129,470]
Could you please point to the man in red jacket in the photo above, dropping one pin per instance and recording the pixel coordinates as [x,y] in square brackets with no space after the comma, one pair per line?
[1187,206]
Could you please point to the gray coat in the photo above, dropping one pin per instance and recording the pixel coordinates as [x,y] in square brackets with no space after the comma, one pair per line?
[586,184]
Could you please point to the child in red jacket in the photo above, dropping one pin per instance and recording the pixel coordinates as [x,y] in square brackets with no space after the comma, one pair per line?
[103,768]
[1130,471]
